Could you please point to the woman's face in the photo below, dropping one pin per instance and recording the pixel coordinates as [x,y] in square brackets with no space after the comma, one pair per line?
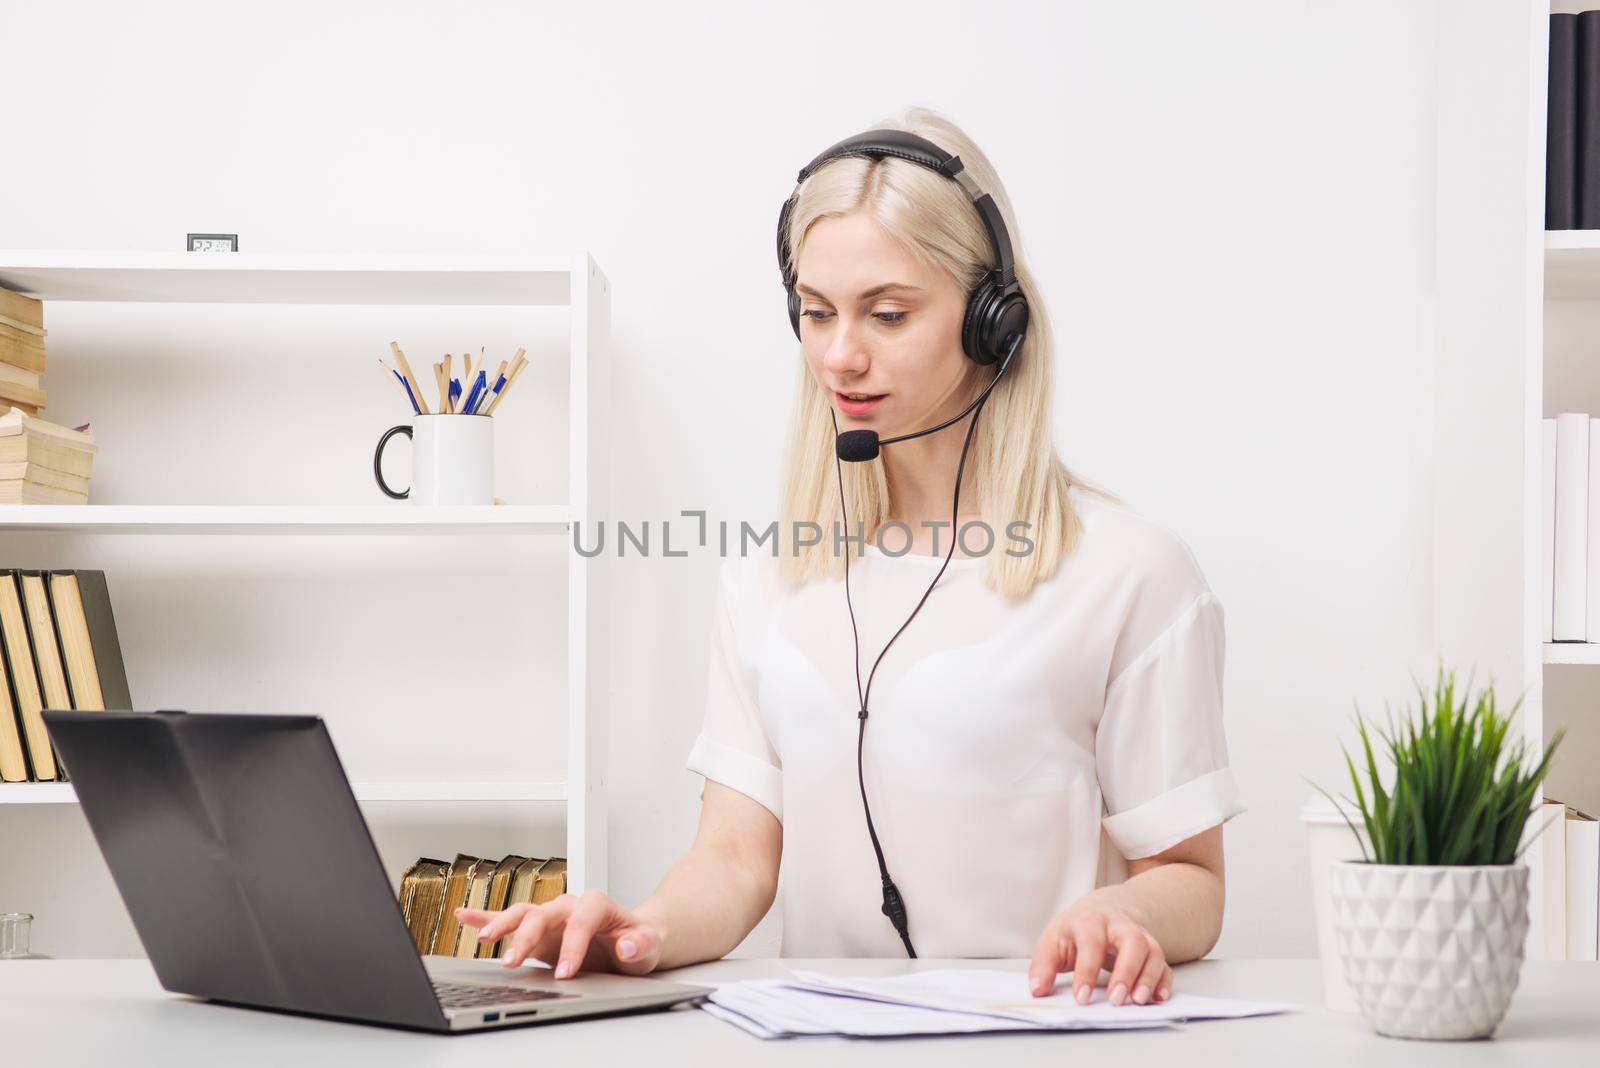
[876,321]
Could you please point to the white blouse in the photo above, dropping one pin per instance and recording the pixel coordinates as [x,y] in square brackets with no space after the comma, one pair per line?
[1017,752]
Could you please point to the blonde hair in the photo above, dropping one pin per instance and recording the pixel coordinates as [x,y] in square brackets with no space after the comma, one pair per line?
[1015,467]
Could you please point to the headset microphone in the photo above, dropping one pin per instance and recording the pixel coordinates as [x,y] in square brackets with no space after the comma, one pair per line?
[856,446]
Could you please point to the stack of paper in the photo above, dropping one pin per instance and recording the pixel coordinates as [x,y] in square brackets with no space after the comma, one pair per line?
[947,1001]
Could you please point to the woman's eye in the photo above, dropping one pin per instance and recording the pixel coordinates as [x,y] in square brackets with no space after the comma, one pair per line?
[814,313]
[890,317]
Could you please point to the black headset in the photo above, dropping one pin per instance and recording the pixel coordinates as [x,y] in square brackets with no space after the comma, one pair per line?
[996,309]
[991,333]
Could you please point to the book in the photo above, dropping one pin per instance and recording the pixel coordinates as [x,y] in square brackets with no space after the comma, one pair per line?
[39,475]
[47,453]
[1572,526]
[13,759]
[27,357]
[17,393]
[17,375]
[81,605]
[19,422]
[499,892]
[1586,66]
[16,332]
[477,898]
[1553,817]
[17,491]
[520,891]
[421,899]
[14,632]
[551,880]
[46,647]
[1561,132]
[455,896]
[23,310]
[1548,501]
[1583,886]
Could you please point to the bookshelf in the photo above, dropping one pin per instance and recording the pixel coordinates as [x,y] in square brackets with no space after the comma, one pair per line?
[571,282]
[1560,372]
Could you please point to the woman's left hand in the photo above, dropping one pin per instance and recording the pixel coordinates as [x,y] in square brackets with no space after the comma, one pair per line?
[1092,933]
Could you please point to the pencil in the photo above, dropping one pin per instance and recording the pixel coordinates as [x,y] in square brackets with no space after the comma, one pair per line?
[411,380]
[516,369]
[446,405]
[391,374]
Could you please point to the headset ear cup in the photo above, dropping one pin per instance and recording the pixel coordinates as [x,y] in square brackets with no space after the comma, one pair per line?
[794,312]
[1010,316]
[972,325]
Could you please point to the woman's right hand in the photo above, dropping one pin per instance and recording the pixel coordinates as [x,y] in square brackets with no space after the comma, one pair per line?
[575,933]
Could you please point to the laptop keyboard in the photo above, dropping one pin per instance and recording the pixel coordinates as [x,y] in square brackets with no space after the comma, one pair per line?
[474,995]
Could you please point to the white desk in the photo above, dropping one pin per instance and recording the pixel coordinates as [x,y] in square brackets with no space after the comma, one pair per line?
[84,1012]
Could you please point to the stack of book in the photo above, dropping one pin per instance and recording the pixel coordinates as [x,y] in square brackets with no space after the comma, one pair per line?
[60,651]
[21,352]
[1571,883]
[431,891]
[40,462]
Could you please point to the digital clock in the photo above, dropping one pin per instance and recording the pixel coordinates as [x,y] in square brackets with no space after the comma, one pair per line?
[213,242]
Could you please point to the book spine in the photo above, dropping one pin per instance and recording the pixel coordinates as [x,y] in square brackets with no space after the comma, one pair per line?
[1583,889]
[103,640]
[1561,141]
[1553,843]
[1548,506]
[1572,527]
[1588,105]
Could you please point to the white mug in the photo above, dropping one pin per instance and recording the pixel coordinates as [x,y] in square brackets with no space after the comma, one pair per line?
[452,459]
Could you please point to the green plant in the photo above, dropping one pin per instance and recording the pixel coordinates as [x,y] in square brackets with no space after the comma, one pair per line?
[1462,792]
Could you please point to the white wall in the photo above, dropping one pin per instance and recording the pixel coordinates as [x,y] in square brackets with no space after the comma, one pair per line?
[1229,207]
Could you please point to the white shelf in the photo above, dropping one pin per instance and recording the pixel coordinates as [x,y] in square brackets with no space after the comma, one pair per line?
[571,281]
[1572,653]
[397,518]
[62,793]
[260,278]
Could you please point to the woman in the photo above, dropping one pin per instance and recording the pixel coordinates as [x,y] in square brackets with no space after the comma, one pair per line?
[1046,768]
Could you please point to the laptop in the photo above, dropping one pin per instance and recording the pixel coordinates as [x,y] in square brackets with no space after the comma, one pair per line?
[252,879]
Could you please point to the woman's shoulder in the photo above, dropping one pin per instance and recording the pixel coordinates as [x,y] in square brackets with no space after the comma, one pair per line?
[1118,540]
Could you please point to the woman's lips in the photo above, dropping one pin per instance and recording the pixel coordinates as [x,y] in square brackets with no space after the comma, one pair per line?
[855,407]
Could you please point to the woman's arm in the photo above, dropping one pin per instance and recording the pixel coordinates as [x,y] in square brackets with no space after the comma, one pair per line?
[1168,911]
[703,908]
[721,889]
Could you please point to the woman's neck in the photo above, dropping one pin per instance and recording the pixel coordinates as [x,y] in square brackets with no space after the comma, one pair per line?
[922,475]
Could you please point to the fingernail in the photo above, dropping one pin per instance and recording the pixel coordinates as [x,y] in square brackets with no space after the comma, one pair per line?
[626,949]
[1163,994]
[1036,984]
[1141,994]
[1082,994]
[1118,993]
[564,970]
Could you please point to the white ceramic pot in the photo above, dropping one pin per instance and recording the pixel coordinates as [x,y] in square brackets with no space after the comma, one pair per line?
[1431,952]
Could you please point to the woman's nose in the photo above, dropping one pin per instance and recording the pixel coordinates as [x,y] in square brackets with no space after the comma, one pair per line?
[845,355]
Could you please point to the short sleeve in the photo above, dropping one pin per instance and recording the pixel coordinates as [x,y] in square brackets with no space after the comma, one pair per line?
[1159,748]
[733,747]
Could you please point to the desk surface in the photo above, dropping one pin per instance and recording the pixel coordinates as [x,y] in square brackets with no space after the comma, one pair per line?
[72,1012]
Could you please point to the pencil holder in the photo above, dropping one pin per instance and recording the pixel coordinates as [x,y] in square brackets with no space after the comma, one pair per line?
[452,459]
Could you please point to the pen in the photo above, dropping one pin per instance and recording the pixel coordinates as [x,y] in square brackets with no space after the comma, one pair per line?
[413,388]
[517,365]
[416,408]
[472,398]
[403,387]
[455,394]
